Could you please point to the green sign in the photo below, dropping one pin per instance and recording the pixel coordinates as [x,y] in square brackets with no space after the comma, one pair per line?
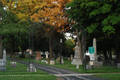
[91,50]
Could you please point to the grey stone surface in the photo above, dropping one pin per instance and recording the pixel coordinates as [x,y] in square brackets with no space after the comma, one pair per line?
[2,65]
[96,63]
[95,48]
[118,65]
[89,66]
[52,62]
[77,60]
[13,64]
[31,68]
[4,55]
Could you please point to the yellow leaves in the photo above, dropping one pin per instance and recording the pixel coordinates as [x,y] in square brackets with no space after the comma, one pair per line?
[22,15]
[36,7]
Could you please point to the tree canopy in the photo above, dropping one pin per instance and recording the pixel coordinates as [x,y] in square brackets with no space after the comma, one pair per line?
[98,17]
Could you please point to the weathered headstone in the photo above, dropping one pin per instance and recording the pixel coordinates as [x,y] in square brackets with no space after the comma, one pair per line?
[46,53]
[77,66]
[3,61]
[4,55]
[38,55]
[89,66]
[77,61]
[52,62]
[96,63]
[13,64]
[71,57]
[31,68]
[2,65]
[68,59]
[62,60]
[58,59]
[118,65]
[43,61]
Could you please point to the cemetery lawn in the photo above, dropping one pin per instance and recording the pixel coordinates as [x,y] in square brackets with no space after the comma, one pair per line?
[67,65]
[20,73]
[109,76]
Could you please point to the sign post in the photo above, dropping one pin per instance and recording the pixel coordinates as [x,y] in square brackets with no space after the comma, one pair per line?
[91,52]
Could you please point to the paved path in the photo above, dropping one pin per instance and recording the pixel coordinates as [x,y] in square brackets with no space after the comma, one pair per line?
[63,73]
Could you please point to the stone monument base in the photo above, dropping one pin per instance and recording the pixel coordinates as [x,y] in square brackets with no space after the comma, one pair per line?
[89,67]
[2,65]
[96,63]
[76,62]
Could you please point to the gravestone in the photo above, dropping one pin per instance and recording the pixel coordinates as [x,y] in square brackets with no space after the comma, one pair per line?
[38,55]
[89,66]
[52,62]
[77,61]
[43,61]
[31,68]
[68,59]
[93,57]
[58,59]
[96,63]
[13,64]
[3,61]
[46,53]
[2,65]
[118,65]
[62,60]
[4,55]
[71,57]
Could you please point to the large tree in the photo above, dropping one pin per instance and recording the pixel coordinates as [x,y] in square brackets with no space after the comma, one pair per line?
[97,14]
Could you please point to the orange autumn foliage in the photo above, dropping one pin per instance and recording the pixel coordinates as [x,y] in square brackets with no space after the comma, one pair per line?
[53,10]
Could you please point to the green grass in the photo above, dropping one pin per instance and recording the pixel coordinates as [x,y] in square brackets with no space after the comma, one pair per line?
[112,76]
[27,77]
[67,65]
[20,73]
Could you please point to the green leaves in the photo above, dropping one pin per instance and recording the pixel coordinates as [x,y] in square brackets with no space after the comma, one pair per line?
[94,12]
[92,27]
[109,29]
[106,8]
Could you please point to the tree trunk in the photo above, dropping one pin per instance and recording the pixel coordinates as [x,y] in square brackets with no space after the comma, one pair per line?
[1,47]
[117,50]
[110,54]
[105,55]
[50,47]
[79,44]
[12,47]
[83,42]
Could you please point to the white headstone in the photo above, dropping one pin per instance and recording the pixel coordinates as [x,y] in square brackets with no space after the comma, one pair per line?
[4,55]
[52,62]
[77,60]
[46,53]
